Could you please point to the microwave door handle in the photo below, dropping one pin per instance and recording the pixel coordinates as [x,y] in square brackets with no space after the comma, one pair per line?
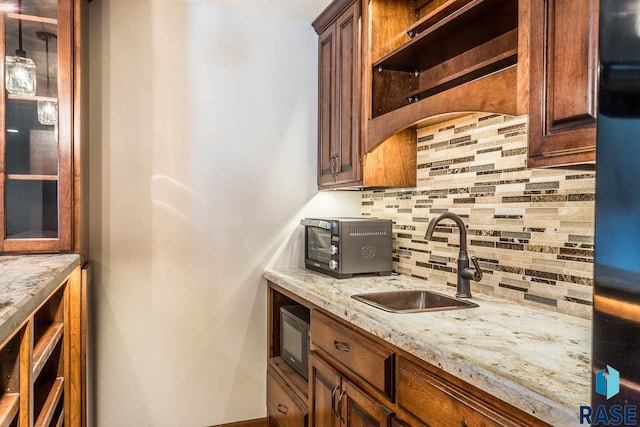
[316,223]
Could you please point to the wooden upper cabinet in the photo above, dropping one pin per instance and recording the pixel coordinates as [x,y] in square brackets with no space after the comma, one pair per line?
[41,127]
[344,158]
[339,95]
[561,37]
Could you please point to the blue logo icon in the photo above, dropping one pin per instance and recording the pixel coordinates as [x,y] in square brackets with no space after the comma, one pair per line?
[608,382]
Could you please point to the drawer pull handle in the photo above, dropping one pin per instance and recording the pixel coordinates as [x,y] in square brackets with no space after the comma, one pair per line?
[283,409]
[341,346]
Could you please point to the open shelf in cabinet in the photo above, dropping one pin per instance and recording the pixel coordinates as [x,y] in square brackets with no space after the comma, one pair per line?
[48,388]
[296,381]
[462,30]
[459,55]
[10,380]
[9,405]
[293,379]
[47,331]
[48,368]
[433,15]
[45,346]
[49,402]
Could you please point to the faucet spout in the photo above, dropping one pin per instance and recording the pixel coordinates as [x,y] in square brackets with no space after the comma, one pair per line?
[455,218]
[464,272]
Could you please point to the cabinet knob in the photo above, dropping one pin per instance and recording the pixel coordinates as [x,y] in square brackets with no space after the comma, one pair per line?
[283,409]
[463,424]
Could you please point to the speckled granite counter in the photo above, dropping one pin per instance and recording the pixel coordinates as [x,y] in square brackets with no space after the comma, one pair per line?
[25,282]
[536,360]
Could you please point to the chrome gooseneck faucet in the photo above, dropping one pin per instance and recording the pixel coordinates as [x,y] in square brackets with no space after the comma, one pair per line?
[464,272]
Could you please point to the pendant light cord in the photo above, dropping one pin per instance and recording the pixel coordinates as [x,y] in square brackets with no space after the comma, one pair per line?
[19,51]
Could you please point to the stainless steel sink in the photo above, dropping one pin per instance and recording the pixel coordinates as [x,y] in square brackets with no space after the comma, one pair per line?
[413,301]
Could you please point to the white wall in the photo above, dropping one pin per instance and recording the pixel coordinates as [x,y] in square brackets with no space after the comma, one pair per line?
[203,125]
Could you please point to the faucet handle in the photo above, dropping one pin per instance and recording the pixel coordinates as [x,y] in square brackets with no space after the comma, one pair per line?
[477,274]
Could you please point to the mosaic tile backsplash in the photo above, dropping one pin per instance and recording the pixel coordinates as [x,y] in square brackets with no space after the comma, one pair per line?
[531,229]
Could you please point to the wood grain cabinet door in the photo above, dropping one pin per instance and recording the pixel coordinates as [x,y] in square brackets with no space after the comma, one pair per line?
[338,100]
[326,91]
[324,383]
[563,48]
[357,409]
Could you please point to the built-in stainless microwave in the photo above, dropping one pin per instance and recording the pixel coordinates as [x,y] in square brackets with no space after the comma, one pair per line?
[294,337]
[342,247]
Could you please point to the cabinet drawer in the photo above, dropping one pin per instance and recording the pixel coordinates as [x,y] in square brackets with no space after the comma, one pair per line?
[371,362]
[284,408]
[435,401]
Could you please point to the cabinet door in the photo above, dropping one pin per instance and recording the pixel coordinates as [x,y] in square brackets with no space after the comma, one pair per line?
[562,97]
[338,100]
[324,385]
[356,409]
[326,90]
[36,127]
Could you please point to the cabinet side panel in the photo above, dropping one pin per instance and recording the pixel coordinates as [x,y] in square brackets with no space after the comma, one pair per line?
[3,142]
[81,128]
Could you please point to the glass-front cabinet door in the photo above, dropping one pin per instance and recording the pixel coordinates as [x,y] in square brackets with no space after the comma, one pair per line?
[36,146]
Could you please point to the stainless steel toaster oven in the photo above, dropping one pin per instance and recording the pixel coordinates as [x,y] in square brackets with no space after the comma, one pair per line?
[342,247]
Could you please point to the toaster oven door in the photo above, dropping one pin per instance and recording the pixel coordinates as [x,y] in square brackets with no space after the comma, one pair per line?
[318,249]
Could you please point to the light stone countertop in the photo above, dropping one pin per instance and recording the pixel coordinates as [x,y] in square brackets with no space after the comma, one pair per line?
[536,360]
[25,282]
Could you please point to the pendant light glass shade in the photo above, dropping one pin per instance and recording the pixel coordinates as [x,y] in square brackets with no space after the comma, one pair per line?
[20,76]
[47,112]
[20,71]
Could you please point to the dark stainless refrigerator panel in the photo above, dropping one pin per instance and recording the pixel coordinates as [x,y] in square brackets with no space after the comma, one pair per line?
[616,318]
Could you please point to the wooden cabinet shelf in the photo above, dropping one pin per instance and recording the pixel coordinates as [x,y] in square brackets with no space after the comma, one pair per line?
[296,381]
[494,55]
[435,15]
[445,62]
[34,98]
[49,407]
[452,35]
[45,346]
[30,177]
[10,378]
[492,93]
[32,18]
[9,405]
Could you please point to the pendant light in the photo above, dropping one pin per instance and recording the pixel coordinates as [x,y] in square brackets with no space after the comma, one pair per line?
[20,76]
[47,110]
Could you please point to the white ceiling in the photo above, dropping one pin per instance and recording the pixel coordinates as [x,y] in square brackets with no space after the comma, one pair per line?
[301,10]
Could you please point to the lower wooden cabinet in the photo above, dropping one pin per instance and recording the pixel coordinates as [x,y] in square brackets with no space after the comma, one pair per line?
[357,379]
[360,355]
[41,369]
[283,407]
[336,401]
[435,401]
